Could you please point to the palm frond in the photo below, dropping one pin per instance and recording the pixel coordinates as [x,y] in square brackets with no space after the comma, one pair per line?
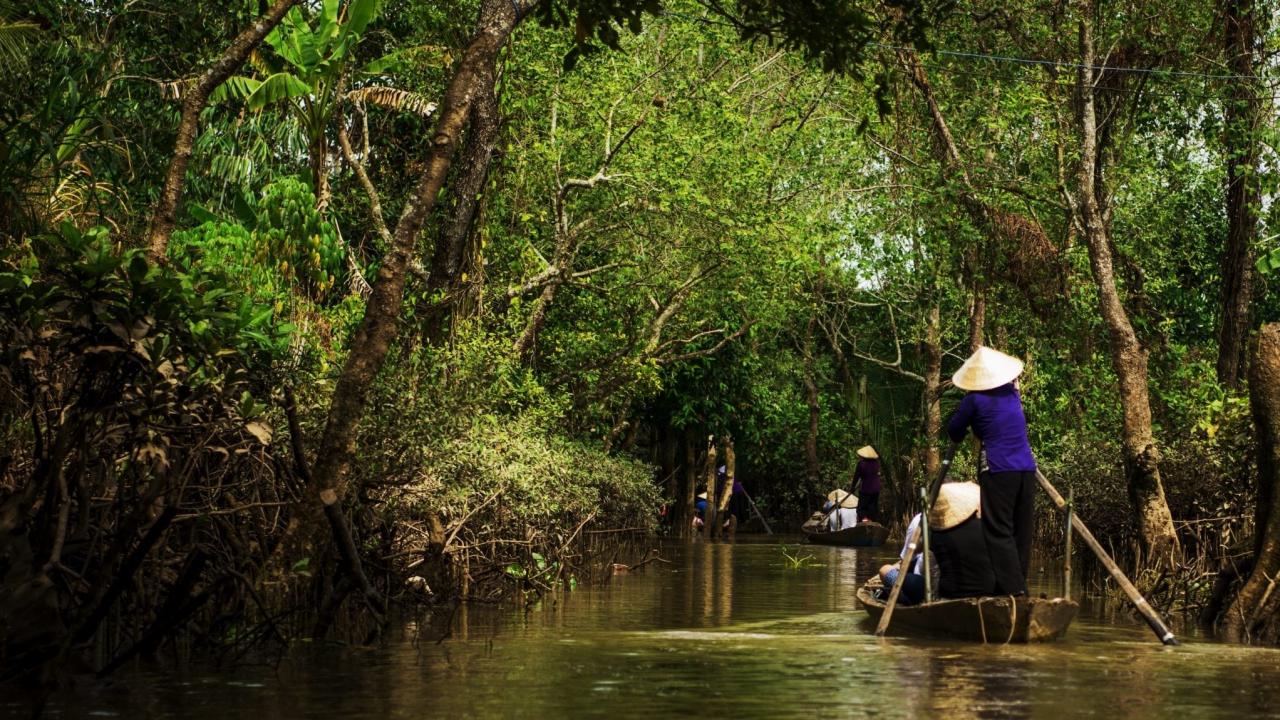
[393,99]
[15,37]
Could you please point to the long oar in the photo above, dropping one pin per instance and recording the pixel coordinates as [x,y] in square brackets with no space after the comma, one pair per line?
[1139,603]
[756,510]
[907,556]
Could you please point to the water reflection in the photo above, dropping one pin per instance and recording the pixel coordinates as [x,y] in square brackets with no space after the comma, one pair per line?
[722,630]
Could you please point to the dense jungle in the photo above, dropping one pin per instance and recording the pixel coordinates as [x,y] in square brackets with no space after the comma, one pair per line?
[315,314]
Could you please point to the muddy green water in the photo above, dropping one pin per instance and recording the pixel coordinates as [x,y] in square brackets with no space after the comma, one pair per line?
[722,631]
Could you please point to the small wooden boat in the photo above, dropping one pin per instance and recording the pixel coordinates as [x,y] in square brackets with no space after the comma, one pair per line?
[986,619]
[866,534]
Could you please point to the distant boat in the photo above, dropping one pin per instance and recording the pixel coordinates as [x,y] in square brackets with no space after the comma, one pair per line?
[865,534]
[986,619]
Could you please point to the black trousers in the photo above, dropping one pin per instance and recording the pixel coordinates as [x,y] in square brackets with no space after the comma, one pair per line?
[869,506]
[1008,511]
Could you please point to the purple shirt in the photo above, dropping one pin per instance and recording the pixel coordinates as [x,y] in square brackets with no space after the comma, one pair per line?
[869,472]
[997,419]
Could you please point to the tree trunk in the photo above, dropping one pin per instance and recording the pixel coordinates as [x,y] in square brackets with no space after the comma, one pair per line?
[977,317]
[320,171]
[372,341]
[726,487]
[193,102]
[812,466]
[688,507]
[457,238]
[1242,117]
[1253,614]
[711,520]
[931,395]
[1128,357]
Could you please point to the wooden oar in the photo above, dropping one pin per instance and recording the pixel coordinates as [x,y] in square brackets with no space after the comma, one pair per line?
[1139,603]
[907,556]
[756,510]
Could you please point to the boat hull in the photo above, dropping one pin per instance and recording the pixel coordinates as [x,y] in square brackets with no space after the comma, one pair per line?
[867,534]
[988,619]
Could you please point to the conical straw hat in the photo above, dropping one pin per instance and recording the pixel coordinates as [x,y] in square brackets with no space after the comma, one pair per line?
[843,499]
[702,495]
[868,452]
[987,369]
[957,502]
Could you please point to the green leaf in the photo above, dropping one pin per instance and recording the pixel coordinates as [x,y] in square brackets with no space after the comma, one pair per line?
[277,88]
[237,87]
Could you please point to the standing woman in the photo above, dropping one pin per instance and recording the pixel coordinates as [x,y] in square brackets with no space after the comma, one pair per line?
[993,409]
[868,474]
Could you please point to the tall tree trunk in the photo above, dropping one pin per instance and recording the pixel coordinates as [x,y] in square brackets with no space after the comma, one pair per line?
[977,317]
[457,240]
[690,500]
[193,102]
[730,465]
[931,395]
[1128,357]
[1254,614]
[812,466]
[712,519]
[372,341]
[1242,117]
[320,171]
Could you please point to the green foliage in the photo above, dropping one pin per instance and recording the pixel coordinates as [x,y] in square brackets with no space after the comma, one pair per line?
[113,338]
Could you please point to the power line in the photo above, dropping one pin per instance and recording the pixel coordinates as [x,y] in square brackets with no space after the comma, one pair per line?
[1080,66]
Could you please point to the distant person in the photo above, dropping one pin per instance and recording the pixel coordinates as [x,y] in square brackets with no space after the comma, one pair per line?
[866,483]
[957,542]
[840,510]
[700,510]
[992,408]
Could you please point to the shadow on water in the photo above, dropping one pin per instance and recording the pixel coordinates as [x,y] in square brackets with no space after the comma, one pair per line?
[723,630]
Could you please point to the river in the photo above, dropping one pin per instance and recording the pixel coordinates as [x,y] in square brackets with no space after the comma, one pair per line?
[722,630]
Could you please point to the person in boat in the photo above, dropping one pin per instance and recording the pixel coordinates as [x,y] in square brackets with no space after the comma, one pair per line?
[700,509]
[992,409]
[913,591]
[840,510]
[957,543]
[866,483]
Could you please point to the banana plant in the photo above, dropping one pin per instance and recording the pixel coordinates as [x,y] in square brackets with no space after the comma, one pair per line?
[307,73]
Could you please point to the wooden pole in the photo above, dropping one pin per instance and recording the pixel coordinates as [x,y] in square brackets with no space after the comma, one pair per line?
[924,530]
[1139,603]
[1066,557]
[756,510]
[905,565]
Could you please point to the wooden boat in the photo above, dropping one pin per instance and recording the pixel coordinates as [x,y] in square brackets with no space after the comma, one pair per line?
[987,619]
[866,534]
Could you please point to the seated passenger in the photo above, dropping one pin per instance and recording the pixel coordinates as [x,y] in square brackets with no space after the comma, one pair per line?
[963,567]
[913,590]
[957,540]
[843,517]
